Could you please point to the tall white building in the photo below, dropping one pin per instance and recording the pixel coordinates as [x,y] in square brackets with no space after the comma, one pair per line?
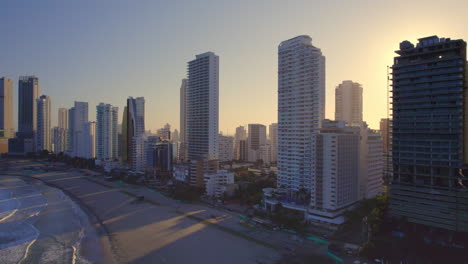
[183,120]
[226,148]
[59,139]
[256,139]
[348,102]
[202,107]
[241,134]
[273,136]
[63,118]
[78,116]
[106,132]
[301,109]
[371,164]
[88,140]
[43,136]
[336,181]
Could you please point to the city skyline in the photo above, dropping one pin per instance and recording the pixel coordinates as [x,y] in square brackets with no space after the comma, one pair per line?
[152,66]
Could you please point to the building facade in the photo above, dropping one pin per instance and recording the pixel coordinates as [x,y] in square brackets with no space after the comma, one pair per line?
[134,131]
[256,139]
[226,148]
[202,107]
[301,109]
[273,136]
[6,108]
[348,102]
[88,141]
[28,91]
[183,120]
[106,132]
[42,136]
[241,134]
[430,134]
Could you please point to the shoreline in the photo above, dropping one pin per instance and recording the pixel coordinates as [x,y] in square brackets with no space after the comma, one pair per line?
[107,250]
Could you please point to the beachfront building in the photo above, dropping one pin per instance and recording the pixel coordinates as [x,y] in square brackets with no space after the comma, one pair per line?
[106,132]
[42,135]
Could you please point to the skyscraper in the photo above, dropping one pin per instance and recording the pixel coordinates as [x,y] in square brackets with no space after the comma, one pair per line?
[183,120]
[430,134]
[301,109]
[202,107]
[135,127]
[88,140]
[63,118]
[273,135]
[42,135]
[241,134]
[106,132]
[59,139]
[256,139]
[165,132]
[71,128]
[28,91]
[80,118]
[6,107]
[348,102]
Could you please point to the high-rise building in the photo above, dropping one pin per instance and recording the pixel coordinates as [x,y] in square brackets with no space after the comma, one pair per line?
[28,91]
[348,102]
[59,139]
[336,176]
[63,118]
[88,141]
[202,107]
[384,131]
[183,120]
[159,157]
[134,131]
[301,109]
[256,139]
[241,134]
[165,132]
[70,131]
[430,134]
[243,150]
[175,137]
[6,108]
[371,163]
[273,136]
[42,135]
[79,119]
[106,132]
[226,148]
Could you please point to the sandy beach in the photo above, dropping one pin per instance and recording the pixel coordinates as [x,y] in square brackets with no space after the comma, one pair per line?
[157,230]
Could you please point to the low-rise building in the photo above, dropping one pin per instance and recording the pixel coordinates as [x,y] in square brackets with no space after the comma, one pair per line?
[217,182]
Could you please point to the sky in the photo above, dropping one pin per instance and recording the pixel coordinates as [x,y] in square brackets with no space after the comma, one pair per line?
[107,50]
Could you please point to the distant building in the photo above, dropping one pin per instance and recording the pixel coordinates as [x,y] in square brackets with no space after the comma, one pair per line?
[63,118]
[88,141]
[348,102]
[384,130]
[273,136]
[226,148]
[138,160]
[241,134]
[106,132]
[217,182]
[78,118]
[243,150]
[256,139]
[42,135]
[59,139]
[6,108]
[175,138]
[28,91]
[181,172]
[159,158]
[183,121]
[371,165]
[133,129]
[165,132]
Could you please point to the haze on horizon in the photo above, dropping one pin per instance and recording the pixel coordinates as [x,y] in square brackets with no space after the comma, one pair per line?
[105,51]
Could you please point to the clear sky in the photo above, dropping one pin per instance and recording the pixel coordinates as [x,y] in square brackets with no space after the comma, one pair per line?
[105,51]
